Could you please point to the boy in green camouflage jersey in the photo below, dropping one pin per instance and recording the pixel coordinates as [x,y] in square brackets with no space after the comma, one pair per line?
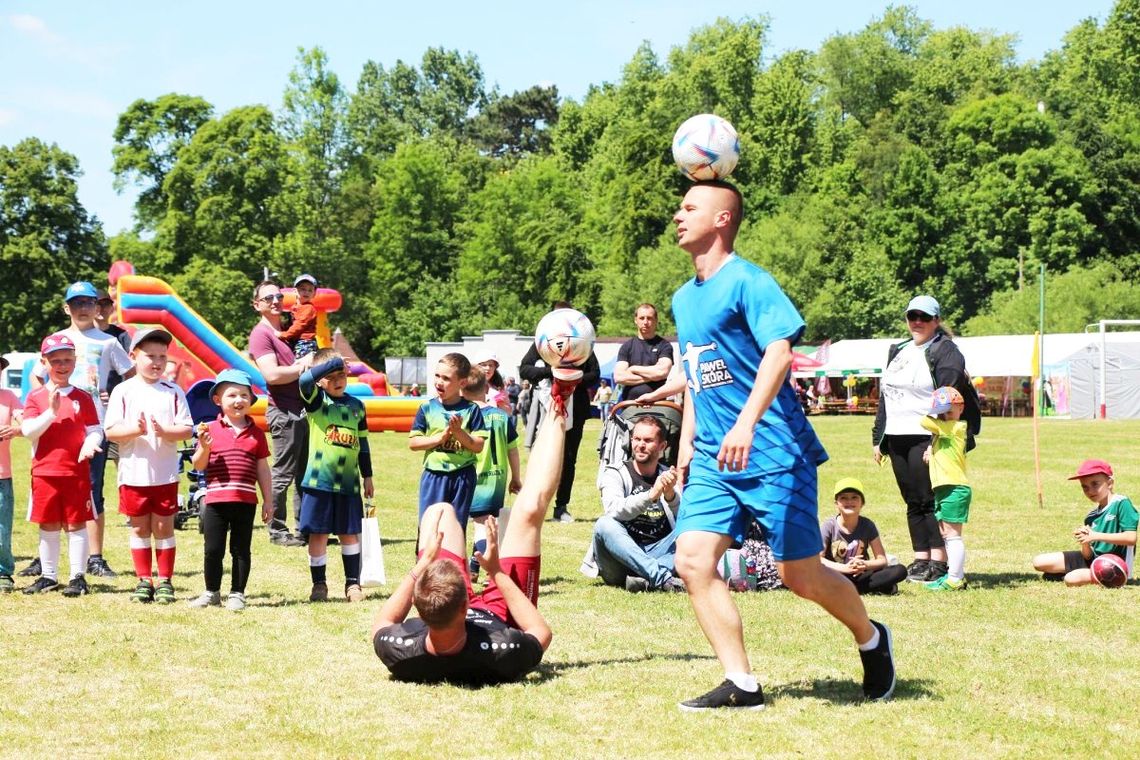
[502,443]
[338,458]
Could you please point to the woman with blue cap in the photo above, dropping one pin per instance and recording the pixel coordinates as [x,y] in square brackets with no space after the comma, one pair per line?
[925,361]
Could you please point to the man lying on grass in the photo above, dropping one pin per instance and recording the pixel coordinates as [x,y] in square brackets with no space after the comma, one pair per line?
[460,636]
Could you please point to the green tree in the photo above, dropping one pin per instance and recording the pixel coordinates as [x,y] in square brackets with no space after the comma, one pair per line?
[515,125]
[148,137]
[47,240]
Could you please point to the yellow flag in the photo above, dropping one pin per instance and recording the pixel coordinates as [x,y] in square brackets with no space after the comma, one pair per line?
[1035,369]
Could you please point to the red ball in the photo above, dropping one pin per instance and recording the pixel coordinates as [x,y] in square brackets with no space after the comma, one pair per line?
[1109,571]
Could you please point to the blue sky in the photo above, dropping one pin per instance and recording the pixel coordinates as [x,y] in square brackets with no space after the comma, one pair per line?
[70,68]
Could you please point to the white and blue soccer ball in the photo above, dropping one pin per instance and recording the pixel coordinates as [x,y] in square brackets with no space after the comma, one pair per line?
[706,147]
[564,338]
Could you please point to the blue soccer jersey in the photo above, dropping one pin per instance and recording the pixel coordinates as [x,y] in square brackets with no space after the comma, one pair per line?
[723,325]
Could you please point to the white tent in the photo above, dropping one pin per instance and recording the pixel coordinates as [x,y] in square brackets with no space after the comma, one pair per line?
[1074,358]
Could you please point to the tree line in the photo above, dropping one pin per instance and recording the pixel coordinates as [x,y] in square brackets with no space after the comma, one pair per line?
[893,160]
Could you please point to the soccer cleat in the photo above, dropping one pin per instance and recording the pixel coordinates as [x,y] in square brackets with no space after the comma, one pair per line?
[144,591]
[32,570]
[726,696]
[98,567]
[235,602]
[77,586]
[946,583]
[164,594]
[206,599]
[7,585]
[353,592]
[320,593]
[879,667]
[917,571]
[42,585]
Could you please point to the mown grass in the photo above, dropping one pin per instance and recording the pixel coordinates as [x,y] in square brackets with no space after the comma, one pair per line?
[1012,667]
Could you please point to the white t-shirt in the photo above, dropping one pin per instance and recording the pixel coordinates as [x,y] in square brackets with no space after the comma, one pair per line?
[906,388]
[96,354]
[147,460]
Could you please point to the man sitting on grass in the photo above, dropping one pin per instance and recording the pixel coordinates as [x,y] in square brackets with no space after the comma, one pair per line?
[468,638]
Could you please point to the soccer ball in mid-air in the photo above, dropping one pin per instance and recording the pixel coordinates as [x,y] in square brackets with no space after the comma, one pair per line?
[706,147]
[564,338]
[1109,571]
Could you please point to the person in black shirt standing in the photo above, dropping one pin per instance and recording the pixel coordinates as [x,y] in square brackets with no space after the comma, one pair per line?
[467,638]
[643,363]
[534,369]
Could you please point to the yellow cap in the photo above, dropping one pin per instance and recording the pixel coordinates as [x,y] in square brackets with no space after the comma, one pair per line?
[848,484]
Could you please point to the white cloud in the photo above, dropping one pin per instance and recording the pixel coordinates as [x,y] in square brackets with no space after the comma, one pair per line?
[8,116]
[56,45]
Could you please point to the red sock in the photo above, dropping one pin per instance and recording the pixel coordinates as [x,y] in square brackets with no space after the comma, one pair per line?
[164,555]
[141,555]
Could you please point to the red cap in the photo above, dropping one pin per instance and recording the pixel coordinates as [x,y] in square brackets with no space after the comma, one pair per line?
[56,342]
[1093,467]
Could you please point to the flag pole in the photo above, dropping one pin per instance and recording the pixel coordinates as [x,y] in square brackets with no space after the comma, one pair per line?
[1039,384]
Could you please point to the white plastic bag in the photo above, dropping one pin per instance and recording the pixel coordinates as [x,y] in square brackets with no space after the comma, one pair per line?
[371,554]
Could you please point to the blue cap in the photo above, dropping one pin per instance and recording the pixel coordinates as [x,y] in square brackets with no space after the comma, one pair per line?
[235,376]
[925,304]
[80,289]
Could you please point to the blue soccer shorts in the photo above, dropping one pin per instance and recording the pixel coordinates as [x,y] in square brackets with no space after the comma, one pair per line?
[324,512]
[783,503]
[457,488]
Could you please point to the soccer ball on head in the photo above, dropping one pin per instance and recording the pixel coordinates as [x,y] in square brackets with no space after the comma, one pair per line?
[564,338]
[706,147]
[1109,571]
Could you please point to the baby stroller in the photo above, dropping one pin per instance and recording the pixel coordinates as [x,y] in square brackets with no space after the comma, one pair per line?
[613,448]
[202,409]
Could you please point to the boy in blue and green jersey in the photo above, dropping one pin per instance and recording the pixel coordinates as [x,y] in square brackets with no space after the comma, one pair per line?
[338,458]
[443,430]
[500,450]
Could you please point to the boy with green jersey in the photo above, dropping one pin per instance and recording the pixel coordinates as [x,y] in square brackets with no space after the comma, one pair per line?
[1109,528]
[338,458]
[444,430]
[501,443]
[952,494]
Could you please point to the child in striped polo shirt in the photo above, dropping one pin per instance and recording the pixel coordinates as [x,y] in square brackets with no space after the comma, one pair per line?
[235,456]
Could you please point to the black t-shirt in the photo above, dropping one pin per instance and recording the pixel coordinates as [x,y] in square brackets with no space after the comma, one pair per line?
[493,653]
[643,353]
[652,525]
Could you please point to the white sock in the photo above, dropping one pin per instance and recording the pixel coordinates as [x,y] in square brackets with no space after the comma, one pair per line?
[49,553]
[872,642]
[743,681]
[956,557]
[77,551]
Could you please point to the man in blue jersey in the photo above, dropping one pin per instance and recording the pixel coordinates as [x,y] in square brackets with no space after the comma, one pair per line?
[747,450]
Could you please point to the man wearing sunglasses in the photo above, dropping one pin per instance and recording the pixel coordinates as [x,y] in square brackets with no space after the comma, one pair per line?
[285,416]
[927,360]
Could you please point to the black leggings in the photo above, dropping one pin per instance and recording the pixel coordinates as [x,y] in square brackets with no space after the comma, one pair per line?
[569,464]
[879,581]
[218,519]
[913,476]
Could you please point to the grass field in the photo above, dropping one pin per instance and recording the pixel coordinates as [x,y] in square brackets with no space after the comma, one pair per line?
[1013,667]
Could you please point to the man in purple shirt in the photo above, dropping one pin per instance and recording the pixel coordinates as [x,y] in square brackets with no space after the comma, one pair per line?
[285,416]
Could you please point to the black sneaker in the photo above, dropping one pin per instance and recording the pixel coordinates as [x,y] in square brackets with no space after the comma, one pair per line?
[77,586]
[98,567]
[7,585]
[879,667]
[144,591]
[936,570]
[916,571]
[32,570]
[42,586]
[636,584]
[726,696]
[164,592]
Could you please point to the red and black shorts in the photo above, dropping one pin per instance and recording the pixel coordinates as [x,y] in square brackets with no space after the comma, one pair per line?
[524,571]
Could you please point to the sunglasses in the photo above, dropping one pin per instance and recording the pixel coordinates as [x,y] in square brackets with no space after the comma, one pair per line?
[918,316]
[272,298]
[82,302]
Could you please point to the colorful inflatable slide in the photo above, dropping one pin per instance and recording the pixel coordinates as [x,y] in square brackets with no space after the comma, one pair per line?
[201,351]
